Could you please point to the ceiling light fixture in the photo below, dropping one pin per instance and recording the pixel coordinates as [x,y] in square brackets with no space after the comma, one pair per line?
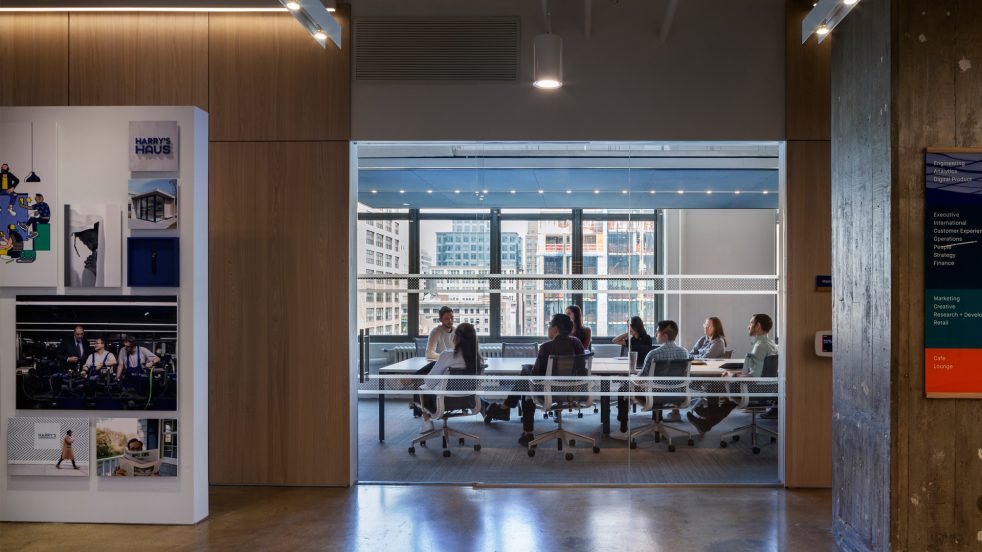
[737,192]
[596,191]
[331,5]
[652,192]
[318,21]
[765,192]
[292,6]
[569,191]
[547,56]
[681,192]
[542,191]
[823,18]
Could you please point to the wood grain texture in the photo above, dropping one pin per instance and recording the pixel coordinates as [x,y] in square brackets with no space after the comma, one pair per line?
[808,388]
[271,81]
[862,245]
[937,487]
[139,59]
[279,329]
[808,93]
[33,59]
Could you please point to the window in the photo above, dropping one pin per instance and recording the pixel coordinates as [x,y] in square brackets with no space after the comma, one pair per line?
[388,242]
[369,237]
[369,257]
[378,240]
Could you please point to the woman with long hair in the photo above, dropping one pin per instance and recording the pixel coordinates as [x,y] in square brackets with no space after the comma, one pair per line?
[581,332]
[465,354]
[636,339]
[713,343]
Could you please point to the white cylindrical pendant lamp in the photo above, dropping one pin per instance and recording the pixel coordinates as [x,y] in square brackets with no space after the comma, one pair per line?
[548,68]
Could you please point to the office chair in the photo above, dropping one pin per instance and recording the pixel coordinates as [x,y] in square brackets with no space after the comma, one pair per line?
[728,353]
[519,350]
[451,406]
[655,403]
[421,346]
[755,406]
[570,392]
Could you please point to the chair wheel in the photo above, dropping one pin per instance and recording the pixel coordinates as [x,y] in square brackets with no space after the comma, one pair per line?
[579,414]
[755,450]
[531,453]
[596,410]
[736,438]
[446,454]
[545,416]
[723,444]
[671,448]
[596,449]
[569,456]
[460,441]
[773,439]
[477,447]
[572,442]
[657,437]
[634,444]
[412,450]
[422,443]
[692,442]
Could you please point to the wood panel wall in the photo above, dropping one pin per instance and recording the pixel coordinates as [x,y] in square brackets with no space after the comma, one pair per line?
[936,493]
[862,241]
[808,216]
[279,129]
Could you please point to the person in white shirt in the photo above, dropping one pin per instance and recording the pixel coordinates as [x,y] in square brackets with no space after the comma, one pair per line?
[464,354]
[134,359]
[100,360]
[441,337]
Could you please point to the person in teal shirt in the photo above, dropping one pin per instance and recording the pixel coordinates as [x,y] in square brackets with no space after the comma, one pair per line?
[704,417]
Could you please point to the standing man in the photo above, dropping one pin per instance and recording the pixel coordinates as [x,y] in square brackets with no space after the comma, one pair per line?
[75,349]
[134,359]
[705,417]
[41,215]
[665,334]
[441,337]
[8,185]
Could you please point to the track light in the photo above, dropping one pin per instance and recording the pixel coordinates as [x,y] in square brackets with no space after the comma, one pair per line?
[824,17]
[318,22]
[548,62]
[292,6]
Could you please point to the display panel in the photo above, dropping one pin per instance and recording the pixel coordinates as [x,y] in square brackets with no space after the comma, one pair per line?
[97,352]
[153,204]
[136,447]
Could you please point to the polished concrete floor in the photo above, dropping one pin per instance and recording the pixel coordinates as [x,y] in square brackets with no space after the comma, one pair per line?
[427,518]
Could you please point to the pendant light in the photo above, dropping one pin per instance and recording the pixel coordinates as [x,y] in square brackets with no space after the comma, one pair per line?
[33,177]
[548,62]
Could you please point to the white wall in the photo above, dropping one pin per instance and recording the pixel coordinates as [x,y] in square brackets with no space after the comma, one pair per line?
[93,166]
[718,76]
[720,241]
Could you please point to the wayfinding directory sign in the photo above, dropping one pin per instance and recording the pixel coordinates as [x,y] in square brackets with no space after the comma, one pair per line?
[953,273]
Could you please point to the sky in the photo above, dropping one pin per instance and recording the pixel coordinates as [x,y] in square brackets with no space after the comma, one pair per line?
[143,185]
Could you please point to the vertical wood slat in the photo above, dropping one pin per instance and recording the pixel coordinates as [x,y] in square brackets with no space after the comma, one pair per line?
[279,368]
[808,420]
[271,81]
[138,59]
[34,59]
[937,485]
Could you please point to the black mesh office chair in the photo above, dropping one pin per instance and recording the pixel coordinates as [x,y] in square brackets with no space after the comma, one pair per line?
[654,403]
[421,346]
[451,404]
[755,406]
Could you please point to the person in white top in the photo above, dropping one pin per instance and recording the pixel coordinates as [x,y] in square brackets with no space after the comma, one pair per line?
[100,361]
[441,337]
[464,354]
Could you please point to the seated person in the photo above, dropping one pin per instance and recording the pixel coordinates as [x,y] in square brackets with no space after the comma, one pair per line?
[465,354]
[100,360]
[665,334]
[713,343]
[581,332]
[640,341]
[441,337]
[135,359]
[561,343]
[706,416]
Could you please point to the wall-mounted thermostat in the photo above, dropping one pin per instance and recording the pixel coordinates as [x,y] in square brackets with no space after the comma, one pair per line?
[823,343]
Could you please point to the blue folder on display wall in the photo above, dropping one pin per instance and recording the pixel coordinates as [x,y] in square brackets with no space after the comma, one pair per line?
[153,262]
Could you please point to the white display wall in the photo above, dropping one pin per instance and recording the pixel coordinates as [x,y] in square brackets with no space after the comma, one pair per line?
[83,152]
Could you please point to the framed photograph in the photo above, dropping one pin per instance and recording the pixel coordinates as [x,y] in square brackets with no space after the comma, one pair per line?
[136,447]
[152,204]
[93,250]
[48,447]
[153,262]
[88,352]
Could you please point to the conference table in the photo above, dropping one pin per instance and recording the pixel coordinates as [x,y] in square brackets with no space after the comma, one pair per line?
[498,366]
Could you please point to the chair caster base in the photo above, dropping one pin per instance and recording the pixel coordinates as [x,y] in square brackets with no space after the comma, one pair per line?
[569,456]
[412,450]
[446,454]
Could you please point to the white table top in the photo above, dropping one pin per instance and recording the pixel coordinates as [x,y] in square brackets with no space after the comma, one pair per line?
[601,366]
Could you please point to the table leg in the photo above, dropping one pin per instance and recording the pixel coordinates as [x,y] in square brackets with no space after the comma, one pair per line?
[605,407]
[381,409]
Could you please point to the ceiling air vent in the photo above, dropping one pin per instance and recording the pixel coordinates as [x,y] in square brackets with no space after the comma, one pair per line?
[437,49]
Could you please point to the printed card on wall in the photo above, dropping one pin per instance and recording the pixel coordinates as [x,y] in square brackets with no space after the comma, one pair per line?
[48,446]
[153,204]
[93,246]
[154,146]
[96,352]
[28,160]
[136,447]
